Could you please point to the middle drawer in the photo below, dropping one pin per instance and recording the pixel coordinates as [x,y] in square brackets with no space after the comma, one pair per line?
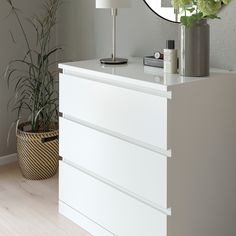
[129,166]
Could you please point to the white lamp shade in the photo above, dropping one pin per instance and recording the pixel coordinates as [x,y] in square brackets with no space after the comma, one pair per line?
[112,3]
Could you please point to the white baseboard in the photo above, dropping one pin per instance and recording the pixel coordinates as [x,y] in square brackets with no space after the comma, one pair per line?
[8,159]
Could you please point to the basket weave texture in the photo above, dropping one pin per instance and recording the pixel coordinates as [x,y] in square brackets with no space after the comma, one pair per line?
[38,153]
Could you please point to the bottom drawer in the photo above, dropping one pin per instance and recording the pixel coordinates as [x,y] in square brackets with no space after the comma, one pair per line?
[118,213]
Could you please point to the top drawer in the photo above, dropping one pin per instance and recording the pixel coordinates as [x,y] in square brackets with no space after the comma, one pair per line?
[137,115]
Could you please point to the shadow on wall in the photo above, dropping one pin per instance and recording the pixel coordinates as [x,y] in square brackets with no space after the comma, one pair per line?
[10,51]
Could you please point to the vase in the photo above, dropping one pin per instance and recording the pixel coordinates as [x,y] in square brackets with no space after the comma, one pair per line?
[195,49]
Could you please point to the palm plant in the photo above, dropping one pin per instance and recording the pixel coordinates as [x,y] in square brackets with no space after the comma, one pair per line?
[35,82]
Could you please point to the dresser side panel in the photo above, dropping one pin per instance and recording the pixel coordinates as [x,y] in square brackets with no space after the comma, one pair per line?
[202,172]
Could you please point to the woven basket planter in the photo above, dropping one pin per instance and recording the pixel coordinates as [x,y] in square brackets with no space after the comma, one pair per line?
[38,153]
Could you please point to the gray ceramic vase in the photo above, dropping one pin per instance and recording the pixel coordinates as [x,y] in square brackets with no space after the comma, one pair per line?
[195,49]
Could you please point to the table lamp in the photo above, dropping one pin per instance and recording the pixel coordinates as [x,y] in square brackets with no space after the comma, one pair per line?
[113,5]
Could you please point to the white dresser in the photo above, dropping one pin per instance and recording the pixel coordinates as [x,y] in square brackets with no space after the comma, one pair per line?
[147,154]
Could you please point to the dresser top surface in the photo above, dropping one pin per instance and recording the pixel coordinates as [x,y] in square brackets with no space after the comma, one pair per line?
[137,72]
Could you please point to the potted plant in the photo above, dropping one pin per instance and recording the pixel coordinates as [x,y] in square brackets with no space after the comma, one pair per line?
[36,96]
[195,35]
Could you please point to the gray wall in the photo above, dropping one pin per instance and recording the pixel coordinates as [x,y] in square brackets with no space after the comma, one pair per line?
[76,29]
[86,32]
[223,38]
[9,51]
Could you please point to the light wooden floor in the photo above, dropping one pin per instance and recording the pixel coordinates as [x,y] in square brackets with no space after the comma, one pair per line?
[29,208]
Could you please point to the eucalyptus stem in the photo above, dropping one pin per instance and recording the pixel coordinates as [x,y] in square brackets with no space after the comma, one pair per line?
[195,10]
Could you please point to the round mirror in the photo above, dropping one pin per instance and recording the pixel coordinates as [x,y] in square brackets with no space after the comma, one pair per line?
[164,9]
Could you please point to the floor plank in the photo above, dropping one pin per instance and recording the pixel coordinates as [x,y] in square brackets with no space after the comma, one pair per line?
[31,207]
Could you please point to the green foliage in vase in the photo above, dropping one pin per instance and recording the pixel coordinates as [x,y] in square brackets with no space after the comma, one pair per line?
[195,10]
[33,78]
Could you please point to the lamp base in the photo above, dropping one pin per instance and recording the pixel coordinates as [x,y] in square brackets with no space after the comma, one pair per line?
[116,61]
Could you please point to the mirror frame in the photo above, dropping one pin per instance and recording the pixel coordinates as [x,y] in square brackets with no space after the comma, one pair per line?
[159,15]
